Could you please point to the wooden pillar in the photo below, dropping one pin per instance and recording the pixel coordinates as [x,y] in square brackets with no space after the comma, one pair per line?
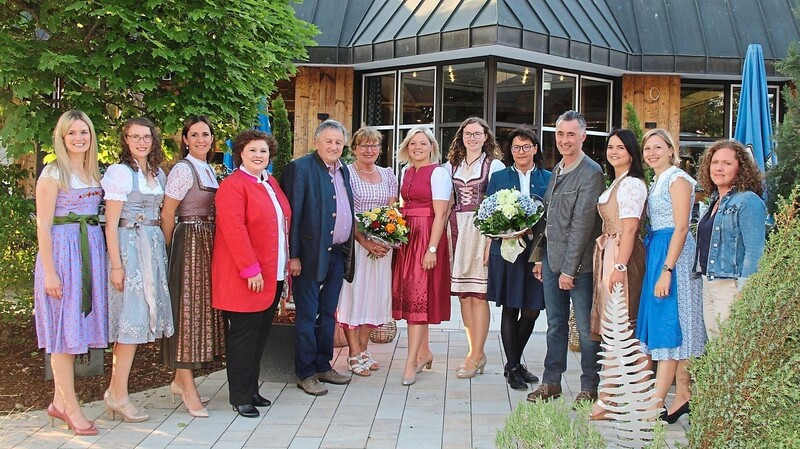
[321,90]
[656,98]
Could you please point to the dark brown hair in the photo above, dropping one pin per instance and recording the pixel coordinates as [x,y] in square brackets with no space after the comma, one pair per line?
[193,120]
[248,136]
[156,156]
[458,151]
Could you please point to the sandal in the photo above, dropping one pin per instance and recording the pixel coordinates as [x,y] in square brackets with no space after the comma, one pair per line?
[360,367]
[371,363]
[601,415]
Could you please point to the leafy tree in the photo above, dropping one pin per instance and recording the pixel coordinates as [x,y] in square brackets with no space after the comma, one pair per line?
[282,130]
[786,174]
[164,59]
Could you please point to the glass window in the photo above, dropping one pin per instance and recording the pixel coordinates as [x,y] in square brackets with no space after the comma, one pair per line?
[416,96]
[379,100]
[559,96]
[515,93]
[702,111]
[596,104]
[501,135]
[774,94]
[386,158]
[446,136]
[464,87]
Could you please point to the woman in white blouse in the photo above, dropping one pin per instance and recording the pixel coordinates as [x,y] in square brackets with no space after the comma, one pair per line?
[138,298]
[199,330]
[619,252]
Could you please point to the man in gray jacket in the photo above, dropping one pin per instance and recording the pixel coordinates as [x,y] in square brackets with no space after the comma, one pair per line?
[572,225]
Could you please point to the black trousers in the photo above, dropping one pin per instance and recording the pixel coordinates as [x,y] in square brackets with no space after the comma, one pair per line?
[245,340]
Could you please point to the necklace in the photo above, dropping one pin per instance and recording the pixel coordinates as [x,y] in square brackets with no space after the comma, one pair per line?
[473,161]
[374,169]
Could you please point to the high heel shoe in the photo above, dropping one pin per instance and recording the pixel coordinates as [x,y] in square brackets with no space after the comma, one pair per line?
[53,413]
[466,373]
[128,411]
[176,390]
[672,418]
[408,381]
[425,364]
[87,431]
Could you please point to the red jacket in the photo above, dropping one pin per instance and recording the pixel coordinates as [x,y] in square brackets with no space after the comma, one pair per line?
[246,243]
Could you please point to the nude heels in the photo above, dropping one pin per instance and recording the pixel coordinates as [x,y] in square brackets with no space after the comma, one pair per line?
[128,411]
[425,364]
[176,390]
[466,372]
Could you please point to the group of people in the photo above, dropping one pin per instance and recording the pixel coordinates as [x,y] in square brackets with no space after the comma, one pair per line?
[203,264]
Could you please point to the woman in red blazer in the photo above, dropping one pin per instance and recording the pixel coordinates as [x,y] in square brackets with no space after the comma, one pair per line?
[249,265]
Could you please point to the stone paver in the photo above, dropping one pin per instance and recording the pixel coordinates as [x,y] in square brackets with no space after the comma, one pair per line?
[439,411]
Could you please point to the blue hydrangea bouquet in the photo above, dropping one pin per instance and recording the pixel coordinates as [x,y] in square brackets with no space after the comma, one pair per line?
[508,215]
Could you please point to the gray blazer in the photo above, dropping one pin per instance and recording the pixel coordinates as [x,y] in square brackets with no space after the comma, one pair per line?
[572,219]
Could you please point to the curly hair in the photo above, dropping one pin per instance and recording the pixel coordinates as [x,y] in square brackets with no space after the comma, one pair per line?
[458,151]
[248,136]
[749,177]
[156,156]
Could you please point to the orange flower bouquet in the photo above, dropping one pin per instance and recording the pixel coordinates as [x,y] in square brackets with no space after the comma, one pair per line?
[384,225]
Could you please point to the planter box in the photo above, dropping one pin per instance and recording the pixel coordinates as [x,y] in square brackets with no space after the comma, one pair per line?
[90,364]
[277,362]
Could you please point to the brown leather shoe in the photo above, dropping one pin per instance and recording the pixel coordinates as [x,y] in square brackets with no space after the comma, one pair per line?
[589,396]
[312,386]
[545,392]
[332,377]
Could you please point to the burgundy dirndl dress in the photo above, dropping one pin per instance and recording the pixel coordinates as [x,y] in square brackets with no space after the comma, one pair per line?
[420,296]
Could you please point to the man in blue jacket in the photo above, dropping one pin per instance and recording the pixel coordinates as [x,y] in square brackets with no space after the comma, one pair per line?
[320,251]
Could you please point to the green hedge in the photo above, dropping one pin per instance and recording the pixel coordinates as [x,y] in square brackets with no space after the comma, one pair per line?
[18,244]
[747,390]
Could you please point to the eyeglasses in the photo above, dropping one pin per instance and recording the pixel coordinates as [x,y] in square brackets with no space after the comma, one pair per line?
[147,138]
[476,135]
[521,148]
[372,147]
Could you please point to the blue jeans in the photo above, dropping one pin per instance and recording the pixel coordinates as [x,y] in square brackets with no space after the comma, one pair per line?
[556,303]
[315,317]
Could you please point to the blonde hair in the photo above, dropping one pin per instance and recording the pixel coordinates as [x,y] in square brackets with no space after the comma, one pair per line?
[402,152]
[664,134]
[90,166]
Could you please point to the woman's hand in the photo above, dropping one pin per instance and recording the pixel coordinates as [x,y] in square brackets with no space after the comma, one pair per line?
[117,278]
[617,277]
[537,271]
[486,253]
[662,285]
[52,285]
[255,283]
[428,260]
[378,250]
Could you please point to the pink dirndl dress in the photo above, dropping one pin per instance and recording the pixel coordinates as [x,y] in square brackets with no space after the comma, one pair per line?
[418,295]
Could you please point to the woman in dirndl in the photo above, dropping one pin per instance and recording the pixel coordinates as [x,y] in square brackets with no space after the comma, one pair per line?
[199,329]
[421,272]
[366,303]
[474,155]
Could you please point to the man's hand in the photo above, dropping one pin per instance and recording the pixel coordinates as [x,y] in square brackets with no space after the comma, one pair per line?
[566,282]
[295,267]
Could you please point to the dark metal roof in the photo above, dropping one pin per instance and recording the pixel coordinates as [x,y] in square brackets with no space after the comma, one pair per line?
[701,37]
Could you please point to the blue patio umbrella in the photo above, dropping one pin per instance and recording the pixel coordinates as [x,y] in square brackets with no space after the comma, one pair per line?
[262,125]
[753,120]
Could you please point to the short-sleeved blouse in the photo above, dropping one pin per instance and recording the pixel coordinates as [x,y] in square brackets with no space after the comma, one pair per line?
[118,183]
[660,209]
[474,173]
[631,196]
[441,184]
[181,179]
[367,195]
[51,171]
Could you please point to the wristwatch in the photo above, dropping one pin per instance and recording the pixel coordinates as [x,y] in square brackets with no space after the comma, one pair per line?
[620,267]
[666,268]
[432,249]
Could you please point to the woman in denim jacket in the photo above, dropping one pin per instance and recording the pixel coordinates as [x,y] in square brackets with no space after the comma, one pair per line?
[731,234]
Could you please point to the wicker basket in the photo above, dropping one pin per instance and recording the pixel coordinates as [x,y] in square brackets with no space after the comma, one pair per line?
[574,340]
[384,333]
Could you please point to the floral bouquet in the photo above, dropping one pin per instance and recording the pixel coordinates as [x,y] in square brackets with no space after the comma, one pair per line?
[384,225]
[507,214]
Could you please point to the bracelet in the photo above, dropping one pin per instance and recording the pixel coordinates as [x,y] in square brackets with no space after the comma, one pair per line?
[117,269]
[620,267]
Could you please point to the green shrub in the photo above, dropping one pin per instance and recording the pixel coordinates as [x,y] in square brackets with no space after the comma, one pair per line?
[282,130]
[747,390]
[18,245]
[548,425]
